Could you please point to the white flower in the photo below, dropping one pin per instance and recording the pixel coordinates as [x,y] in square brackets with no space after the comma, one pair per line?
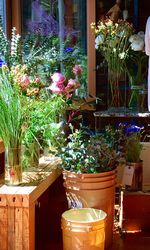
[122,55]
[137,41]
[138,45]
[99,40]
[133,38]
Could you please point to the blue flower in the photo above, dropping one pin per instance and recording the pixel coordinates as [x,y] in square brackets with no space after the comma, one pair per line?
[69,49]
[2,62]
[132,129]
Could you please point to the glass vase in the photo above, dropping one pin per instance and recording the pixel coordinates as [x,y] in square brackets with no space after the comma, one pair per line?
[136,102]
[116,92]
[13,166]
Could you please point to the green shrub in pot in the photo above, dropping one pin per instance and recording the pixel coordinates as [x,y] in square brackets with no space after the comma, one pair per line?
[84,153]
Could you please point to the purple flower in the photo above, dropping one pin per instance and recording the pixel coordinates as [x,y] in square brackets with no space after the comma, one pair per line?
[46,24]
[43,23]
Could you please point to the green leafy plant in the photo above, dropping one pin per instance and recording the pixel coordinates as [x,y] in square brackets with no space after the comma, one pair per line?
[13,111]
[84,153]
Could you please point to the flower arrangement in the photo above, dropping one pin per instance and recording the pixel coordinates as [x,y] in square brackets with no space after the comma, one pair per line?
[112,41]
[136,68]
[43,95]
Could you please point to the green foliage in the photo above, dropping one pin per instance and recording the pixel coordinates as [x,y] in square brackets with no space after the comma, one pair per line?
[85,153]
[133,148]
[44,125]
[13,112]
[130,142]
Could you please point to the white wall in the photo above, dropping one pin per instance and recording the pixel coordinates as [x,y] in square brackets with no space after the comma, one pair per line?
[145,156]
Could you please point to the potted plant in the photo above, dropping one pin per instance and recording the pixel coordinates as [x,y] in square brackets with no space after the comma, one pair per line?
[89,170]
[131,145]
[14,117]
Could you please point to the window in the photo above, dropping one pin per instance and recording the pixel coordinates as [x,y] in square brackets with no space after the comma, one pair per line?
[51,16]
[3,13]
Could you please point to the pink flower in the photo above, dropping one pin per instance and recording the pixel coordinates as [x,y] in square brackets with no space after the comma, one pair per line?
[77,69]
[72,85]
[24,81]
[57,88]
[37,79]
[58,78]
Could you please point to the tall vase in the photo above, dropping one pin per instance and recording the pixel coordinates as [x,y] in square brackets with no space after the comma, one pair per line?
[13,166]
[114,92]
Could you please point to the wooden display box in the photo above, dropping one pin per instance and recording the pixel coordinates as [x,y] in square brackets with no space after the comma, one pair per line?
[135,214]
[22,206]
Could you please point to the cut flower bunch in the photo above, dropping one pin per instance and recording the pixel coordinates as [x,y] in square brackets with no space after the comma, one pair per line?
[136,68]
[112,41]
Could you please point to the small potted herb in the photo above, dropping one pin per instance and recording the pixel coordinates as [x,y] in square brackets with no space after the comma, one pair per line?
[131,150]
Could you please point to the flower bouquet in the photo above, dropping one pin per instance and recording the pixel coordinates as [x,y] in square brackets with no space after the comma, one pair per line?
[112,41]
[136,67]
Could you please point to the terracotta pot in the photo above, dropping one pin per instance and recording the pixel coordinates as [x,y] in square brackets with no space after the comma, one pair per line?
[95,191]
[137,181]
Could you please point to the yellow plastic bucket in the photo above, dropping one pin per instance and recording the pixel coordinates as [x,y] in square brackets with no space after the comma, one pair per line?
[83,229]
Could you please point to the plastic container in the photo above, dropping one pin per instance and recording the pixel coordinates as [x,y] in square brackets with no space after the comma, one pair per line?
[83,229]
[95,190]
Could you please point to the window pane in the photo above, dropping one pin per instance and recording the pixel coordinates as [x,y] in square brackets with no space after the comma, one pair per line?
[43,16]
[3,13]
[64,23]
